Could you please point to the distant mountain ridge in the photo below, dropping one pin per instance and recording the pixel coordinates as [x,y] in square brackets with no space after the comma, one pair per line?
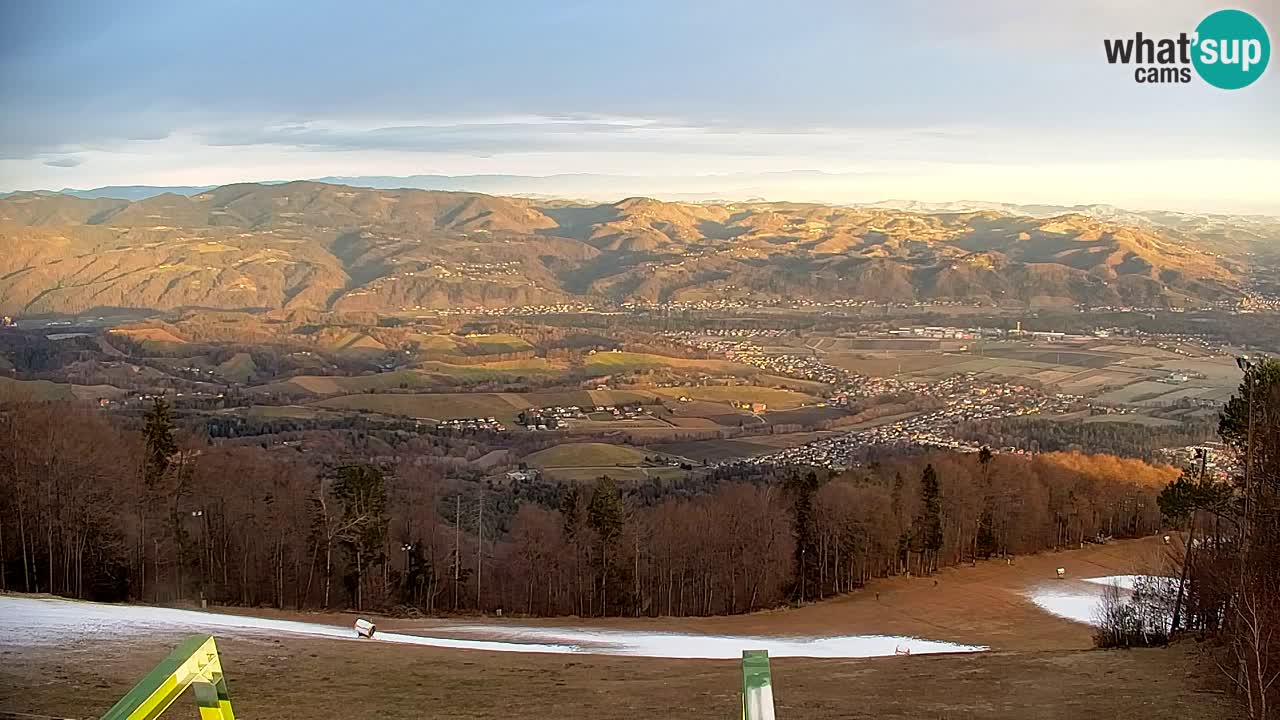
[324,246]
[595,187]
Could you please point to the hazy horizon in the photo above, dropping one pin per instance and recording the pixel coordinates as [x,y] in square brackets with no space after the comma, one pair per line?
[596,188]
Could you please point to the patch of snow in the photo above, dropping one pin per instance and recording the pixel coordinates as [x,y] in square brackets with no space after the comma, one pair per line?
[1082,606]
[682,645]
[1129,582]
[1081,601]
[28,622]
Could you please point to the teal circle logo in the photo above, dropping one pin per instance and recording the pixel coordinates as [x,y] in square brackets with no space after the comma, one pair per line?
[1232,49]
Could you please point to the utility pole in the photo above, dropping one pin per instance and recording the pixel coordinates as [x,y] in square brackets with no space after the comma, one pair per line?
[480,553]
[457,549]
[1247,365]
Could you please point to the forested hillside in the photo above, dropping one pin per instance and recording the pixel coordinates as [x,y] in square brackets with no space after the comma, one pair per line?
[101,511]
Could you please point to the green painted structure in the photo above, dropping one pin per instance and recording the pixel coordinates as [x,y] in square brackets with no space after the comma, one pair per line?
[193,664]
[757,686]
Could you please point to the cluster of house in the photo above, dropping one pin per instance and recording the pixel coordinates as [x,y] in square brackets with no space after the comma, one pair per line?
[1217,459]
[477,423]
[523,310]
[1255,302]
[551,418]
[742,304]
[744,332]
[967,399]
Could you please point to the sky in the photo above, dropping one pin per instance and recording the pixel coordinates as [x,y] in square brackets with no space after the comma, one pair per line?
[931,100]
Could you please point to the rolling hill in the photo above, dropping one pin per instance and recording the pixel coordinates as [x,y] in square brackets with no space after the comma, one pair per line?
[308,245]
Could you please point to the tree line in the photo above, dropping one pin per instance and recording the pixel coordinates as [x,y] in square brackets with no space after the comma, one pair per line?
[1229,589]
[151,513]
[1127,439]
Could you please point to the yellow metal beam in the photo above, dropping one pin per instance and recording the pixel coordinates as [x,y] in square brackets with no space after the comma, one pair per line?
[195,664]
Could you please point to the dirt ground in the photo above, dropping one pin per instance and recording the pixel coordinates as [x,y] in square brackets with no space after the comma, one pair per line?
[272,680]
[1039,666]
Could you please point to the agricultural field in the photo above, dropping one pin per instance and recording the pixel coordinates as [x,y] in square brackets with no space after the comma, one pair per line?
[744,447]
[588,475]
[811,387]
[612,362]
[239,368]
[353,341]
[426,375]
[1050,356]
[46,391]
[891,364]
[436,343]
[430,406]
[608,426]
[806,416]
[503,406]
[586,454]
[1111,371]
[1138,392]
[34,390]
[495,344]
[339,385]
[772,397]
[156,338]
[720,412]
[501,370]
[1093,383]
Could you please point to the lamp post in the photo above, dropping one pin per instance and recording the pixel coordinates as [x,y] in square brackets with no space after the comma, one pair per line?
[408,562]
[198,514]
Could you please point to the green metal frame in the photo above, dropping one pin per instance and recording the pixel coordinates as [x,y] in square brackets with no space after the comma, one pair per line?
[193,664]
[757,686]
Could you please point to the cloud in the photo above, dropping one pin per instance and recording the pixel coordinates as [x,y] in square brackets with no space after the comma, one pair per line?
[582,134]
[470,136]
[69,161]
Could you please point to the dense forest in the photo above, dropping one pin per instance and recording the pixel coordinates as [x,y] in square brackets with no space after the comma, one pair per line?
[145,512]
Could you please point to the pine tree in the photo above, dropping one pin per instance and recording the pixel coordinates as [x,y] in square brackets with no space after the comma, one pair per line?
[160,444]
[802,489]
[159,449]
[606,515]
[361,491]
[929,524]
[572,517]
[984,541]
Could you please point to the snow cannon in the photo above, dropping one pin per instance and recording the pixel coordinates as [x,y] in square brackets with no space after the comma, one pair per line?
[365,628]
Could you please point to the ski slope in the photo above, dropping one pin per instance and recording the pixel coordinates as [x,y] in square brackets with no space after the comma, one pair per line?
[43,621]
